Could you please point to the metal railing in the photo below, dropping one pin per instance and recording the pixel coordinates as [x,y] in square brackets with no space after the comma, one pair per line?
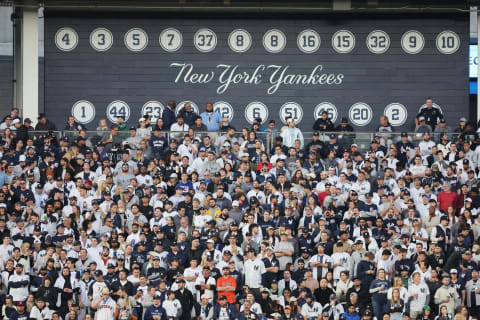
[361,139]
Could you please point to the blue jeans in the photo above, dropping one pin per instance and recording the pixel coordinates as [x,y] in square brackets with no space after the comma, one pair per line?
[396,316]
[379,307]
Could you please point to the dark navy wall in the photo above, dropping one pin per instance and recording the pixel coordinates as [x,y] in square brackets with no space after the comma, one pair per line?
[375,79]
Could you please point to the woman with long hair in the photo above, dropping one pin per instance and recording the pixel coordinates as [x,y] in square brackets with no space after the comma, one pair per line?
[101,187]
[463,311]
[27,254]
[330,280]
[118,194]
[396,305]
[30,303]
[286,297]
[7,137]
[249,144]
[467,214]
[139,156]
[451,215]
[378,290]
[228,172]
[297,175]
[146,150]
[271,237]
[316,209]
[397,284]
[443,314]
[152,168]
[245,133]
[276,216]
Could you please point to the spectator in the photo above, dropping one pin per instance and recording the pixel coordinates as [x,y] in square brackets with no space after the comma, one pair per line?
[335,146]
[105,305]
[446,197]
[113,139]
[168,115]
[44,124]
[347,137]
[211,118]
[442,128]
[179,128]
[462,125]
[178,228]
[199,126]
[72,125]
[351,313]
[385,128]
[24,130]
[290,134]
[430,113]
[8,123]
[378,289]
[189,114]
[323,124]
[13,114]
[421,128]
[143,130]
[446,295]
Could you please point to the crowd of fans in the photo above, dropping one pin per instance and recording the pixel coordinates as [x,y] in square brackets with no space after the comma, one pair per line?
[184,218]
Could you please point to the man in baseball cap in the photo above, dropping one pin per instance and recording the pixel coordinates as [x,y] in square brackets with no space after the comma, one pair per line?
[21,312]
[156,311]
[104,305]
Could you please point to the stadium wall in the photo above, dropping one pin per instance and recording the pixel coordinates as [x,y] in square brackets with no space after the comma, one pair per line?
[93,77]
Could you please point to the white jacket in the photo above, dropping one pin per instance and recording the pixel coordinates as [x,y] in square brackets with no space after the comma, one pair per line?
[311,311]
[44,314]
[172,307]
[289,136]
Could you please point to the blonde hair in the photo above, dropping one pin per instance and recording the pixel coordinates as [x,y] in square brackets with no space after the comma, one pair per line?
[101,187]
[397,280]
[24,247]
[118,190]
[393,298]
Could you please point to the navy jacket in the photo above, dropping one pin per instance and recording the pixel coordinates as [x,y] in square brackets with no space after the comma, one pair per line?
[362,268]
[230,310]
[155,311]
[168,117]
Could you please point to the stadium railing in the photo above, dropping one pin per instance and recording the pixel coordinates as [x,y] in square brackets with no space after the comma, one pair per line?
[361,139]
